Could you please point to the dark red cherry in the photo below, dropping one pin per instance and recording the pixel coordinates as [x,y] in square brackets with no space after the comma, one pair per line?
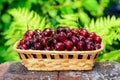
[26,38]
[60,29]
[83,32]
[75,31]
[37,46]
[59,46]
[61,36]
[28,44]
[37,32]
[92,35]
[88,40]
[47,48]
[67,29]
[98,39]
[90,47]
[82,38]
[74,48]
[22,41]
[47,32]
[23,47]
[69,34]
[74,39]
[68,44]
[43,41]
[80,45]
[54,41]
[97,46]
[29,33]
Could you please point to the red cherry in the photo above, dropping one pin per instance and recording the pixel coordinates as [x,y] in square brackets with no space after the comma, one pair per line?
[23,47]
[88,40]
[92,35]
[74,39]
[67,29]
[43,41]
[82,38]
[98,39]
[68,44]
[22,41]
[90,47]
[47,48]
[61,36]
[37,46]
[59,46]
[97,46]
[75,31]
[83,32]
[69,34]
[29,33]
[60,29]
[74,48]
[47,32]
[80,45]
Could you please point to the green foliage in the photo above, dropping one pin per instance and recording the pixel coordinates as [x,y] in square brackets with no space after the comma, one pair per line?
[111,56]
[22,18]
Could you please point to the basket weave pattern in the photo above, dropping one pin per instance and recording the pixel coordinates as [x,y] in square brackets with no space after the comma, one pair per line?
[58,60]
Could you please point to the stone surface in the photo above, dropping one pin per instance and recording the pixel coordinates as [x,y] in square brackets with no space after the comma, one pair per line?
[17,71]
[3,68]
[101,71]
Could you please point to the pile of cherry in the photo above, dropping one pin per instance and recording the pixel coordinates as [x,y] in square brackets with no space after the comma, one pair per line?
[61,39]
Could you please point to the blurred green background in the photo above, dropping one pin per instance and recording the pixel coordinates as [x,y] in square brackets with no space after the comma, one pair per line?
[100,16]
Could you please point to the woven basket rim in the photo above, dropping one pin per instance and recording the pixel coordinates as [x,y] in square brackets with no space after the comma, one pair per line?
[55,52]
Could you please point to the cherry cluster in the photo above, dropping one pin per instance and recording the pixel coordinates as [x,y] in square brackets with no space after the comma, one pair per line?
[61,39]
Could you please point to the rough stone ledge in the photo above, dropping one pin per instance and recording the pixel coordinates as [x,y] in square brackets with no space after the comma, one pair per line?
[101,71]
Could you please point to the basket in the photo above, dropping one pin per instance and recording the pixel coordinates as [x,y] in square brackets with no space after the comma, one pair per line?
[57,60]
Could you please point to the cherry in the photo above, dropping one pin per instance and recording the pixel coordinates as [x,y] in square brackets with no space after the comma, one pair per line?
[43,41]
[67,29]
[60,29]
[80,45]
[29,33]
[92,35]
[54,41]
[90,47]
[97,46]
[68,44]
[26,38]
[37,46]
[75,31]
[37,32]
[74,48]
[22,42]
[23,47]
[74,39]
[59,46]
[61,36]
[47,32]
[83,32]
[47,48]
[28,44]
[98,39]
[82,38]
[69,34]
[89,40]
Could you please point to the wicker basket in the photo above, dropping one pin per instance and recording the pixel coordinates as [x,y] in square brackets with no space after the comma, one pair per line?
[57,60]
